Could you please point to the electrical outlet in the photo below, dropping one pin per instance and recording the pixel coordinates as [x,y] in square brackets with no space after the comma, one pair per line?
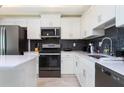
[74,44]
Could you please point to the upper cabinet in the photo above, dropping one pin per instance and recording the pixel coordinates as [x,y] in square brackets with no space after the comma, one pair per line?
[50,20]
[104,13]
[95,19]
[21,22]
[33,29]
[88,22]
[120,16]
[70,28]
[14,21]
[7,21]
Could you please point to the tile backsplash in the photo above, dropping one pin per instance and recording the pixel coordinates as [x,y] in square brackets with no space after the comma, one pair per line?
[117,36]
[79,44]
[34,44]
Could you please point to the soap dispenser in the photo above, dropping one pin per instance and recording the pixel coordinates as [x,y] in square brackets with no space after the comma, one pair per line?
[91,48]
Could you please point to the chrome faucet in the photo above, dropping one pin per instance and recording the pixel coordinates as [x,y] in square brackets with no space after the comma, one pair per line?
[108,38]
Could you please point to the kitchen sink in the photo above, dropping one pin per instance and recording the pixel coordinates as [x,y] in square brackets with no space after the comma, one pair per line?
[97,56]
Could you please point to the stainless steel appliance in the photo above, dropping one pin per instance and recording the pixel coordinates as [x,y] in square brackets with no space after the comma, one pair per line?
[105,77]
[49,60]
[12,40]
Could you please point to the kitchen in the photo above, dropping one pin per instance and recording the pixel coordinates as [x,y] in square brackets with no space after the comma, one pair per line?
[66,46]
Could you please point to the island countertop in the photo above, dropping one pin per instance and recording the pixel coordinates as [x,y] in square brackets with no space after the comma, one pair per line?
[10,61]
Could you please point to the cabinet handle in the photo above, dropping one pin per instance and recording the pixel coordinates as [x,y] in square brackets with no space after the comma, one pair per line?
[76,63]
[84,73]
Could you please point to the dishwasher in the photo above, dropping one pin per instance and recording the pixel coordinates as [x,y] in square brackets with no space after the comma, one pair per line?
[105,77]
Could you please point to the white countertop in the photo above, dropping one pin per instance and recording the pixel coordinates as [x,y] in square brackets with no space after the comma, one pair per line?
[9,61]
[114,63]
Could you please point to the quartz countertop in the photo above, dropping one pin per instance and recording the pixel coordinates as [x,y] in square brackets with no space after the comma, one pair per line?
[9,61]
[114,63]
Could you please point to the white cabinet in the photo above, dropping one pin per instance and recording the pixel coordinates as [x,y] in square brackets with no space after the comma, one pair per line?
[95,19]
[80,65]
[88,22]
[120,15]
[7,21]
[33,29]
[77,67]
[21,22]
[105,13]
[90,73]
[50,20]
[13,21]
[67,63]
[71,28]
[85,71]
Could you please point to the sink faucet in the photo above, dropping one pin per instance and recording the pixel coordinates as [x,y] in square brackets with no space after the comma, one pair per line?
[108,38]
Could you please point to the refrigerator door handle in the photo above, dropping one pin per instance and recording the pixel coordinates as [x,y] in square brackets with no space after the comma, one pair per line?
[4,36]
[1,40]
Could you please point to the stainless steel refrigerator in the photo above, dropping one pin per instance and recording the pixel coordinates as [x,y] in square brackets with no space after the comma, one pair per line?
[12,40]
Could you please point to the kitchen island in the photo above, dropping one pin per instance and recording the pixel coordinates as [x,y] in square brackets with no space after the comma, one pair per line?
[18,71]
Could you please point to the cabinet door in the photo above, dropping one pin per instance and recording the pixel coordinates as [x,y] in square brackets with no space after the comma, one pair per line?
[83,26]
[89,22]
[33,29]
[90,77]
[67,66]
[77,66]
[86,73]
[50,20]
[120,15]
[65,28]
[76,28]
[67,63]
[22,23]
[105,13]
[82,72]
[70,28]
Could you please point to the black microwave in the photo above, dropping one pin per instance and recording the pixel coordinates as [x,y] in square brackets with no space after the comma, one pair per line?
[50,31]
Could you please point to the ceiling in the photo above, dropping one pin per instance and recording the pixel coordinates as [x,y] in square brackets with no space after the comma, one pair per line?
[38,10]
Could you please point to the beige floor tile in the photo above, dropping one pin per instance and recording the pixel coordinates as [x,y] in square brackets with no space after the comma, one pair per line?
[64,81]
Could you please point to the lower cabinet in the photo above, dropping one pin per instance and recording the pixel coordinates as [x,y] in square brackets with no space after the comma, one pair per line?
[85,71]
[67,63]
[79,65]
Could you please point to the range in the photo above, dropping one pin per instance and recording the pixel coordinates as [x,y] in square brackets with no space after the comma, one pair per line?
[49,60]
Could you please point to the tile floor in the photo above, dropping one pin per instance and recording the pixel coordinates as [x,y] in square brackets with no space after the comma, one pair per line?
[64,81]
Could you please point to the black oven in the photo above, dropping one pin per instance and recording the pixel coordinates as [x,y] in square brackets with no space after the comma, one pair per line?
[49,62]
[49,65]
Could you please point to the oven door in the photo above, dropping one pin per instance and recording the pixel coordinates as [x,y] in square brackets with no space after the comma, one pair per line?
[49,62]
